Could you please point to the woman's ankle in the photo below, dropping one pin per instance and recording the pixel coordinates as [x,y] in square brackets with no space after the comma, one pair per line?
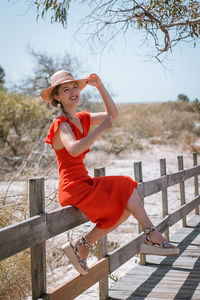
[156,237]
[83,251]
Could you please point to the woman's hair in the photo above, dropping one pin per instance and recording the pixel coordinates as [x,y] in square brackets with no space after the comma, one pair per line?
[56,103]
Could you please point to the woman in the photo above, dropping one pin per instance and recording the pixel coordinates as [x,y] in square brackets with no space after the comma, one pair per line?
[107,201]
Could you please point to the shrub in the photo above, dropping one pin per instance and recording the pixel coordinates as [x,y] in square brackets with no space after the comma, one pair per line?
[183,98]
[23,121]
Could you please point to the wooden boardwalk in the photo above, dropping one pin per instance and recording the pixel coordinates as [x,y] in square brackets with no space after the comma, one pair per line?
[166,278]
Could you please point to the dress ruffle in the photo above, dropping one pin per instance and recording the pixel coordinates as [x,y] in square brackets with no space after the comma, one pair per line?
[85,121]
[54,128]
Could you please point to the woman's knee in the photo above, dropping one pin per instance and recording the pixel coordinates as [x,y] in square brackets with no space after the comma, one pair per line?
[126,214]
[134,198]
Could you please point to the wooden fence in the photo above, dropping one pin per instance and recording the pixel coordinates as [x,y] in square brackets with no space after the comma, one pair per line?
[33,232]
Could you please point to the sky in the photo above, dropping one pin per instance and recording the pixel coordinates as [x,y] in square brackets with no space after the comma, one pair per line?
[123,68]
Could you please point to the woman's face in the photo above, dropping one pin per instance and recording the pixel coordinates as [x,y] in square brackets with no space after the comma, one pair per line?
[68,93]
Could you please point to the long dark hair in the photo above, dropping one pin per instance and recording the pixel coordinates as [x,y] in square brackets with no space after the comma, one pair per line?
[56,103]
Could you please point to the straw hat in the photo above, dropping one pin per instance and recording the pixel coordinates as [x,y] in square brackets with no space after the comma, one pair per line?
[57,78]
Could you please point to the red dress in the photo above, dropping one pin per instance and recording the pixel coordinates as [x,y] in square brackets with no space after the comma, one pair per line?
[101,199]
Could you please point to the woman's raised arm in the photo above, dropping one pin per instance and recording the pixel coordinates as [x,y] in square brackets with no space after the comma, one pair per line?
[110,107]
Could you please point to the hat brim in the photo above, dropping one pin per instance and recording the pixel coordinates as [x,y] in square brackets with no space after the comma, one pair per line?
[46,94]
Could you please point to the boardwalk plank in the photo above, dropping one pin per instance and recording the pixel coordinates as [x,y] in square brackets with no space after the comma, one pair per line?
[166,278]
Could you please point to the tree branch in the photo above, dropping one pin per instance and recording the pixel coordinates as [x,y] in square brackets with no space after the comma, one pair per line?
[183,23]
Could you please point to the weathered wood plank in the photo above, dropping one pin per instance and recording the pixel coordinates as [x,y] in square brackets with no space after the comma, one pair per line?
[136,273]
[154,278]
[155,186]
[102,250]
[182,186]
[196,183]
[140,190]
[18,237]
[80,283]
[64,219]
[98,172]
[151,187]
[184,210]
[124,253]
[164,224]
[179,176]
[191,172]
[139,178]
[165,211]
[38,252]
[173,284]
[175,178]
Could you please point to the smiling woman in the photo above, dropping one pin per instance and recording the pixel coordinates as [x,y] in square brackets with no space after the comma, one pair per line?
[106,201]
[70,91]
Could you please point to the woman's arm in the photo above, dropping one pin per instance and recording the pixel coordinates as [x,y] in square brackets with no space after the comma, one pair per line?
[77,147]
[111,109]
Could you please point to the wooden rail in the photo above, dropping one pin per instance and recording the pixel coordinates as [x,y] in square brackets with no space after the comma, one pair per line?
[33,232]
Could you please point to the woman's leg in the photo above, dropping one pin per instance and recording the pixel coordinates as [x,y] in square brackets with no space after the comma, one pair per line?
[96,234]
[134,207]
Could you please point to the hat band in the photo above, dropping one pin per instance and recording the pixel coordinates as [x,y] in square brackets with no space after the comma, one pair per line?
[57,82]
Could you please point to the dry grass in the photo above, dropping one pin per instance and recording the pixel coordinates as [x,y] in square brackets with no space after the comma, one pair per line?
[15,279]
[161,123]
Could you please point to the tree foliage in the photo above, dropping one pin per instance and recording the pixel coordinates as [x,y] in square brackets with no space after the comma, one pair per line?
[183,98]
[167,22]
[23,121]
[2,76]
[190,105]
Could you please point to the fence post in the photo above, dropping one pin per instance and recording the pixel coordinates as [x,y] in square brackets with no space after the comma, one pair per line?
[196,184]
[38,252]
[182,187]
[102,250]
[165,212]
[139,178]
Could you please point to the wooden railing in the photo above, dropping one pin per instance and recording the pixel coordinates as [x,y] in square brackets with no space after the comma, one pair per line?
[41,226]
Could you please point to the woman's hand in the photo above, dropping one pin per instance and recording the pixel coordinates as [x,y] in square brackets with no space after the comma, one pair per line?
[94,80]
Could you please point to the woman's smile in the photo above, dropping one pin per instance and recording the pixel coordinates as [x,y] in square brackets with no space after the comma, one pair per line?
[74,98]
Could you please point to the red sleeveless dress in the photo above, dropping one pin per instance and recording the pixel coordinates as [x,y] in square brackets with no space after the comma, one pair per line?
[101,199]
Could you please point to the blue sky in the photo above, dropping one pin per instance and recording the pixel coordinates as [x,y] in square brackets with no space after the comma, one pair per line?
[122,68]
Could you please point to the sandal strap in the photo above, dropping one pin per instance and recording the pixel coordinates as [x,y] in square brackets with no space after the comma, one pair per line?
[83,263]
[83,241]
[147,231]
[150,229]
[165,244]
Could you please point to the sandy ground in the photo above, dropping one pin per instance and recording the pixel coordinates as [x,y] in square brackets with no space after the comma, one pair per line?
[58,268]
